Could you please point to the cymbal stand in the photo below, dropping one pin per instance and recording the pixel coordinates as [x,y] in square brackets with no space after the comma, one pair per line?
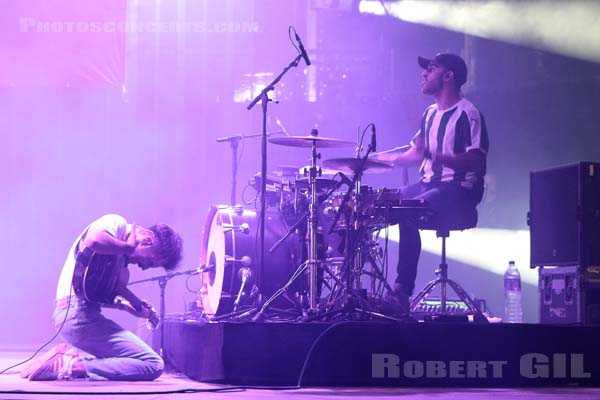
[313,222]
[312,258]
[353,261]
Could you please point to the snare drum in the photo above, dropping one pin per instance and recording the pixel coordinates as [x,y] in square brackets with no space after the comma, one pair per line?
[230,246]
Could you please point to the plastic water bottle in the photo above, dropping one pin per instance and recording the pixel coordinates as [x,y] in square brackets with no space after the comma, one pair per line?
[513,313]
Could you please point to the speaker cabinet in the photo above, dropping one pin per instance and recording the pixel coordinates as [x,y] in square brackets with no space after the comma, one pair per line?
[564,215]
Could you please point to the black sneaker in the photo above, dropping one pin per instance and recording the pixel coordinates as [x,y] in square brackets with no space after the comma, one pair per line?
[398,301]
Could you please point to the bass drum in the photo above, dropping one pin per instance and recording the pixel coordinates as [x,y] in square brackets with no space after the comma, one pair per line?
[230,246]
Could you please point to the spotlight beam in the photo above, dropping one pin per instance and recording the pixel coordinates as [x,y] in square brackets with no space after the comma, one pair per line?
[570,28]
[487,249]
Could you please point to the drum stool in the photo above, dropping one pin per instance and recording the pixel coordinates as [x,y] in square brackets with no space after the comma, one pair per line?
[458,220]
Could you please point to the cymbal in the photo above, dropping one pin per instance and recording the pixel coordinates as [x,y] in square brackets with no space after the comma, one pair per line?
[307,141]
[351,165]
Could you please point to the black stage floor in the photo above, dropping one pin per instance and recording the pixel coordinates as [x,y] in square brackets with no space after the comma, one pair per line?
[346,354]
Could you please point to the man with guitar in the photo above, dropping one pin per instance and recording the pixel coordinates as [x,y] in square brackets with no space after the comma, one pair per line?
[94,276]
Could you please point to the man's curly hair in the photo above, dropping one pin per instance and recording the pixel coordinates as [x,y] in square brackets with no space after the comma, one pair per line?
[168,245]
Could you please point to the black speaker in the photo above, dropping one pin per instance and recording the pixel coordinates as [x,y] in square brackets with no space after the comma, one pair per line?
[564,215]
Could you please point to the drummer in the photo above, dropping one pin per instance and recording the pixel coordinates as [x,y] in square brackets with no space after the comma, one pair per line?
[451,147]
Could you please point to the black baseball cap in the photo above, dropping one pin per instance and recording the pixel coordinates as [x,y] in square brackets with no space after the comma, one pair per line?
[450,61]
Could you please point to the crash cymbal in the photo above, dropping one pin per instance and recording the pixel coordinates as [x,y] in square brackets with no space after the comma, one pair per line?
[307,141]
[351,165]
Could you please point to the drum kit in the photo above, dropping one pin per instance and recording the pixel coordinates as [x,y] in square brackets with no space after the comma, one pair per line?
[323,244]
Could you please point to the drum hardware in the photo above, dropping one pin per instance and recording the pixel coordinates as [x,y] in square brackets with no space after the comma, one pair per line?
[320,200]
[286,171]
[245,261]
[289,232]
[245,275]
[347,295]
[364,211]
[276,190]
[234,142]
[353,242]
[242,228]
[229,251]
[312,173]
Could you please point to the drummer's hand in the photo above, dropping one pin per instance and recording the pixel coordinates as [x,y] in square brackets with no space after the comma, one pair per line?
[386,156]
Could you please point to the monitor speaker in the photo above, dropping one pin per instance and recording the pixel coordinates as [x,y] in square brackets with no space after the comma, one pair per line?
[564,215]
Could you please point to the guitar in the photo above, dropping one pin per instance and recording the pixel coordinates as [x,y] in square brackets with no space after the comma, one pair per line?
[103,279]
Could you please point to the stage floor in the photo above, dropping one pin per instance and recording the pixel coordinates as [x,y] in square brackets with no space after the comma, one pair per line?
[13,387]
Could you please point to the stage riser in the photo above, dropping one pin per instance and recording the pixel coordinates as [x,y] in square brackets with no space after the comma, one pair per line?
[374,354]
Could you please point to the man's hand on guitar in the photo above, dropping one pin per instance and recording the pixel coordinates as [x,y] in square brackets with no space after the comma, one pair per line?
[152,314]
[146,310]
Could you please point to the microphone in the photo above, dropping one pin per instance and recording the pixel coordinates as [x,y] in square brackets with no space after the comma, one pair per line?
[244,274]
[345,180]
[204,268]
[373,144]
[302,51]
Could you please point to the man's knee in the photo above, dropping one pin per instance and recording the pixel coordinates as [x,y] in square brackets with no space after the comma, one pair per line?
[156,367]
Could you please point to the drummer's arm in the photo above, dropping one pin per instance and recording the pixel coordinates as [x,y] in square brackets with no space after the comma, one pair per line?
[399,156]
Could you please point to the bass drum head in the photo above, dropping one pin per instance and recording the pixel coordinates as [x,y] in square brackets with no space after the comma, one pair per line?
[212,256]
[230,242]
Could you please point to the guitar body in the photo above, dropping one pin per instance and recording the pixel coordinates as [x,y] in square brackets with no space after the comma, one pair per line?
[100,278]
[103,278]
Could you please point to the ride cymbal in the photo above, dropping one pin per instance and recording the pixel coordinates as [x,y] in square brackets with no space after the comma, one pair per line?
[352,165]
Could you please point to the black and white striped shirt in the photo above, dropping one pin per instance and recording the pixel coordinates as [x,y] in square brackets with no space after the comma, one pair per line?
[454,131]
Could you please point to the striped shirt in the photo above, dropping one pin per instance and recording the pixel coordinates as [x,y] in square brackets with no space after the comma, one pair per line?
[451,132]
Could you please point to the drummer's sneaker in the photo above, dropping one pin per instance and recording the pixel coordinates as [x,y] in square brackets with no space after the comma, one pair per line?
[59,349]
[399,300]
[58,367]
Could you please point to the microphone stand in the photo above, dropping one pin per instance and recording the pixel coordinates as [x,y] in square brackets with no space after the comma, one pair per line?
[234,144]
[162,284]
[263,97]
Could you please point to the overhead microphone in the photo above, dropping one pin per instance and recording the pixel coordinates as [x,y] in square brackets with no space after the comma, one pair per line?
[302,50]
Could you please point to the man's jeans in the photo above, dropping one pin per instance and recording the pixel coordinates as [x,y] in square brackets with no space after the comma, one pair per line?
[442,198]
[117,353]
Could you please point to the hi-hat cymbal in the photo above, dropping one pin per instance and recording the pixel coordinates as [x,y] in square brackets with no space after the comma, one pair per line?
[351,165]
[307,141]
